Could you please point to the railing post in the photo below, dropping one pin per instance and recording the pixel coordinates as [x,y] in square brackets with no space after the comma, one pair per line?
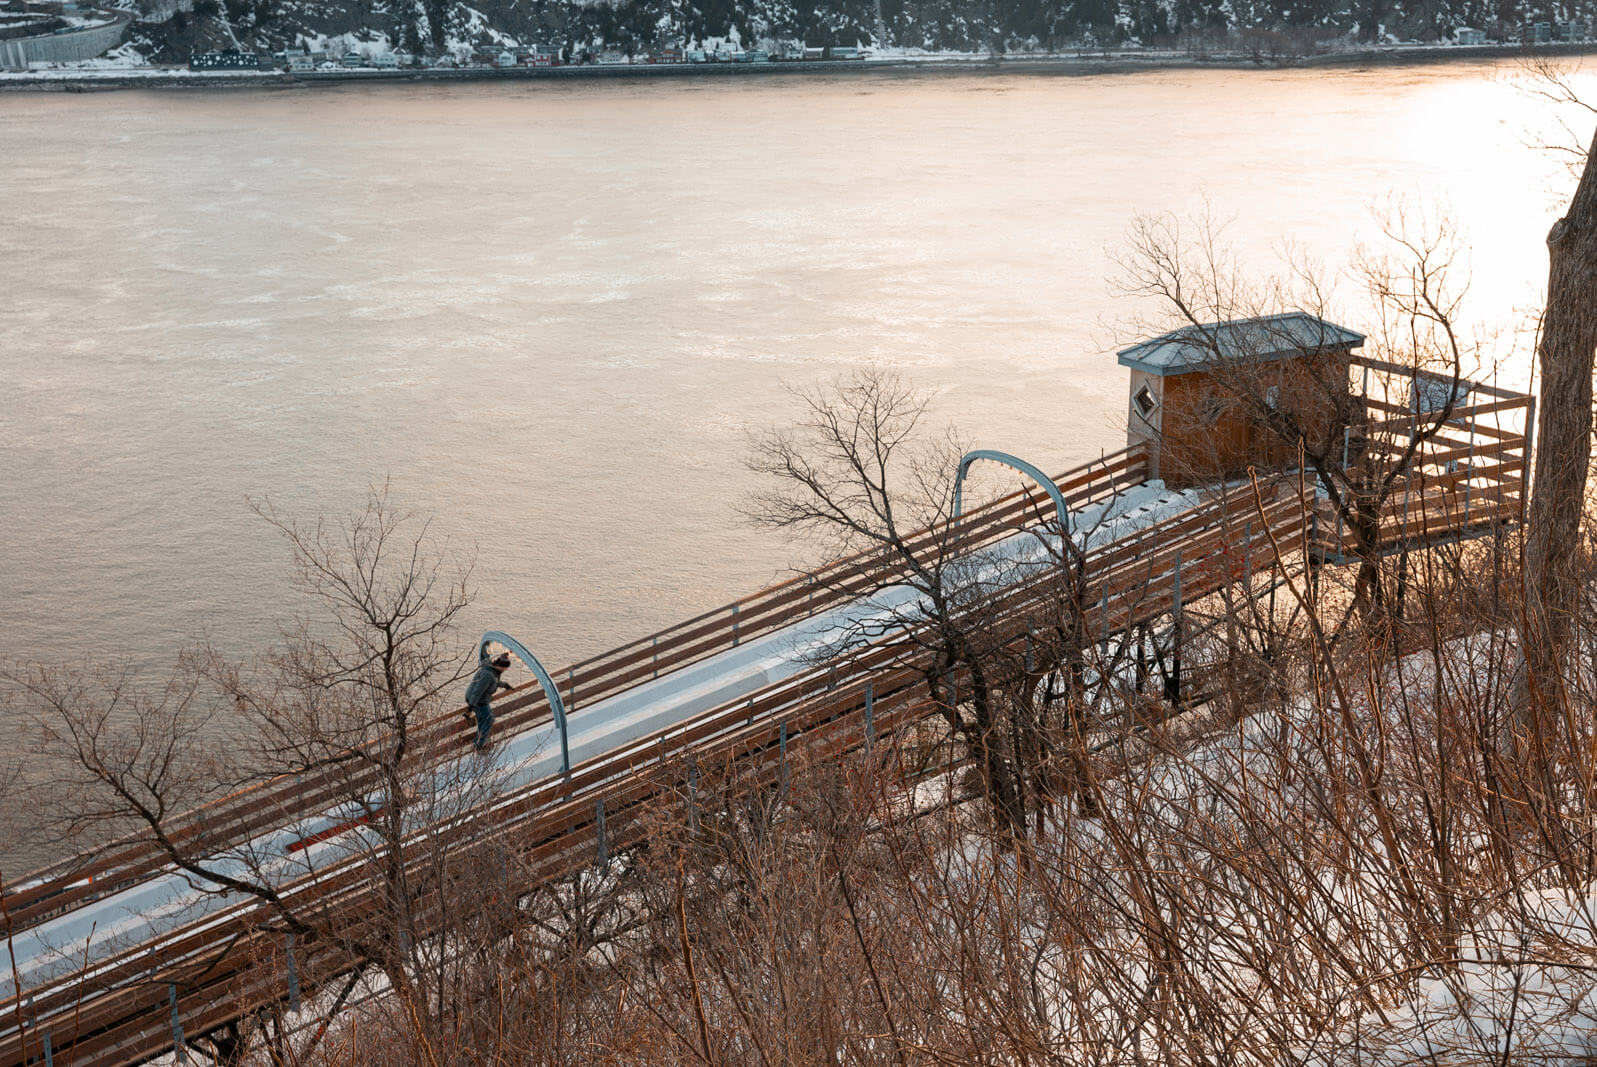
[734,626]
[604,845]
[782,755]
[654,643]
[49,1052]
[693,793]
[293,975]
[1173,683]
[870,717]
[1469,463]
[1524,461]
[1247,558]
[1141,661]
[177,1026]
[1314,539]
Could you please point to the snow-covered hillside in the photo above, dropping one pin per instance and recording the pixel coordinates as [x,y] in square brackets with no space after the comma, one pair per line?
[1269,28]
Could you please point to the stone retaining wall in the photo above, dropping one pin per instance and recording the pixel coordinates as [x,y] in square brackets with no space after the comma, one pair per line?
[86,43]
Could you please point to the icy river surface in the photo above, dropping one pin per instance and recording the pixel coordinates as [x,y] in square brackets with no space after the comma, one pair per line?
[550,315]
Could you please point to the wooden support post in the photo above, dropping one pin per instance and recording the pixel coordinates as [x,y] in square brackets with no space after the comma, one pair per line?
[1172,689]
[693,793]
[1402,550]
[1141,676]
[782,756]
[1469,470]
[293,975]
[1524,457]
[654,643]
[177,1026]
[1269,647]
[870,717]
[1311,563]
[1247,559]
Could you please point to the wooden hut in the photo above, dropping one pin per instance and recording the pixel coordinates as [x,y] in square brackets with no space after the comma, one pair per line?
[1211,400]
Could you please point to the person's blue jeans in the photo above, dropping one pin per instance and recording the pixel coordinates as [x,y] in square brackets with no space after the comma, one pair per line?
[485,722]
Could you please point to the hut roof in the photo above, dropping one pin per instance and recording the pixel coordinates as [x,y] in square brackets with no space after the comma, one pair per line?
[1258,340]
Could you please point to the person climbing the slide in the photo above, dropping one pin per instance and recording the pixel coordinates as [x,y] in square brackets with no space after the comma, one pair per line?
[480,693]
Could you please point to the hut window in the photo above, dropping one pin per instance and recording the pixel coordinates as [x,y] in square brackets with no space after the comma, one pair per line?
[1146,404]
[1272,397]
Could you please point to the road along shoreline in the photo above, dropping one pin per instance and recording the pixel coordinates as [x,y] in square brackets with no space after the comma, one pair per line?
[1077,64]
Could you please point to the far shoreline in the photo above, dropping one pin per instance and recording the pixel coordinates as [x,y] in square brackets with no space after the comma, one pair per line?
[1057,65]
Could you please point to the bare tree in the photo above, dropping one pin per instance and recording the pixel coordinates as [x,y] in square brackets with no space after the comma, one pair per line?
[862,476]
[1565,351]
[340,705]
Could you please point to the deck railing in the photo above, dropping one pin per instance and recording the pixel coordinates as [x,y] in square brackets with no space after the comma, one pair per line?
[1467,477]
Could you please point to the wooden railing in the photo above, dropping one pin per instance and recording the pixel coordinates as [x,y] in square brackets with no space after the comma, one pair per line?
[242,815]
[1467,478]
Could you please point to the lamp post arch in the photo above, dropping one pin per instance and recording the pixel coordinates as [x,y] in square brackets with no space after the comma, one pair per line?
[550,690]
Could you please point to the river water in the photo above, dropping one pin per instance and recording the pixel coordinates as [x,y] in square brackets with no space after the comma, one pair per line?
[550,314]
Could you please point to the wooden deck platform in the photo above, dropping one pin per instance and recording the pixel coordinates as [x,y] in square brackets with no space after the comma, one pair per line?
[130,1005]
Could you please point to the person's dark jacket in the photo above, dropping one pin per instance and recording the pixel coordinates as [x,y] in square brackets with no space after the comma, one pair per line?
[483,684]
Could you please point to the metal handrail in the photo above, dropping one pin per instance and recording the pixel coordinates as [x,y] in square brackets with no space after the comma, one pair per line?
[550,690]
[1035,474]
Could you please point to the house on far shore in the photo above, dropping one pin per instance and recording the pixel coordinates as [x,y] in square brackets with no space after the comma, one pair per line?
[1468,35]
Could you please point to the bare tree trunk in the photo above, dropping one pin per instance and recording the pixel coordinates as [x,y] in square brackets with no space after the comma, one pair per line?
[1563,449]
